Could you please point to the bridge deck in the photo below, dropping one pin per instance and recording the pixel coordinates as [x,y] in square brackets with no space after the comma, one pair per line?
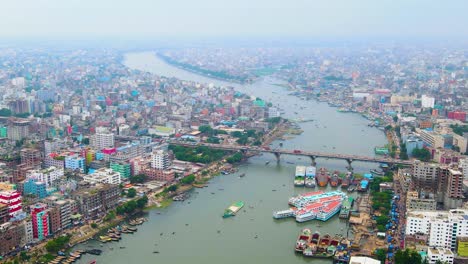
[299,153]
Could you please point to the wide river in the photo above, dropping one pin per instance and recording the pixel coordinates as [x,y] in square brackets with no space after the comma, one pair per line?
[194,232]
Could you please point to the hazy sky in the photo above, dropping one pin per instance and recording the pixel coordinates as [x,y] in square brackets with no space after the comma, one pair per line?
[305,18]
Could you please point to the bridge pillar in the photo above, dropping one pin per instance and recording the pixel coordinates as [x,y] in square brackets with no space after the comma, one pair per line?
[350,168]
[277,155]
[313,161]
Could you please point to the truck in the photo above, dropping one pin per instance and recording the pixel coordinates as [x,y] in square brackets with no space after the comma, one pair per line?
[296,151]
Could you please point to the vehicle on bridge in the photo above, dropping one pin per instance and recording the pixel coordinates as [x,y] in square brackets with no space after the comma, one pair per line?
[297,151]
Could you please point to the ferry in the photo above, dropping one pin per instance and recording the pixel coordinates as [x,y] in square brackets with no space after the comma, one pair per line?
[376,172]
[303,239]
[322,177]
[233,209]
[311,197]
[299,176]
[310,177]
[329,210]
[284,213]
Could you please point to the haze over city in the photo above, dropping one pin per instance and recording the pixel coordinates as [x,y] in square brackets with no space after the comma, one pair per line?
[248,131]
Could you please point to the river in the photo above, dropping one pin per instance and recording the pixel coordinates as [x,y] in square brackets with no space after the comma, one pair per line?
[253,236]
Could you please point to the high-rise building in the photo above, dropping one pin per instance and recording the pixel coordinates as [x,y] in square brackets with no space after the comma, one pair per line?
[12,199]
[427,101]
[101,141]
[425,176]
[18,128]
[443,255]
[123,168]
[160,159]
[75,162]
[40,221]
[11,235]
[442,227]
[31,157]
[48,176]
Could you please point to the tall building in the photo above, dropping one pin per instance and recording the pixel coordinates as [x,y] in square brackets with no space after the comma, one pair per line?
[40,221]
[442,227]
[427,101]
[75,162]
[454,192]
[12,199]
[48,176]
[443,255]
[34,187]
[100,141]
[425,176]
[103,175]
[160,159]
[95,202]
[10,237]
[123,168]
[18,128]
[31,157]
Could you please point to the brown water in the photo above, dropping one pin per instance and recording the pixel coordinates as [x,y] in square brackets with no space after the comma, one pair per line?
[201,234]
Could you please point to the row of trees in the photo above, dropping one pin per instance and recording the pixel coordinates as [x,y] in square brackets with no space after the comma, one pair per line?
[56,244]
[422,154]
[200,154]
[131,206]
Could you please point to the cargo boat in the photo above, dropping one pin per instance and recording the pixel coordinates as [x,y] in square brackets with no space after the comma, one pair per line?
[346,208]
[310,177]
[303,239]
[233,209]
[311,248]
[322,177]
[299,177]
[334,179]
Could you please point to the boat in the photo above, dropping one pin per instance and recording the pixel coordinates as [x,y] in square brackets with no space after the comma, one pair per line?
[329,210]
[284,213]
[351,188]
[346,208]
[233,209]
[334,179]
[104,239]
[303,239]
[92,262]
[268,162]
[345,183]
[94,251]
[323,244]
[299,176]
[322,177]
[310,177]
[376,172]
[242,175]
[311,248]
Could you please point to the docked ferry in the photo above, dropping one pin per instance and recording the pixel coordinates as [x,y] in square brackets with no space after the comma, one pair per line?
[322,177]
[310,177]
[299,179]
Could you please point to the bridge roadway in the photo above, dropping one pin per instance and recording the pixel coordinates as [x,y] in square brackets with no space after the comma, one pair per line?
[311,154]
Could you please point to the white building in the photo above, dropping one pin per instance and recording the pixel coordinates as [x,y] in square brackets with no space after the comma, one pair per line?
[442,254]
[48,176]
[427,102]
[363,260]
[102,140]
[103,175]
[273,112]
[442,227]
[160,159]
[463,166]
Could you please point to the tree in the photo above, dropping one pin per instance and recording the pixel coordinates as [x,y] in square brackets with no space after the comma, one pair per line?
[422,154]
[381,254]
[188,180]
[131,193]
[94,225]
[213,140]
[171,188]
[139,178]
[141,202]
[57,244]
[395,119]
[407,256]
[205,129]
[5,112]
[235,158]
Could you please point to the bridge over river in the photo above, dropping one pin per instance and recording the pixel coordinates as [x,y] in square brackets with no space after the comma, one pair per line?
[312,154]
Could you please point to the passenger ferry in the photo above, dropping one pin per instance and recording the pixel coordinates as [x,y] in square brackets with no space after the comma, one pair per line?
[299,179]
